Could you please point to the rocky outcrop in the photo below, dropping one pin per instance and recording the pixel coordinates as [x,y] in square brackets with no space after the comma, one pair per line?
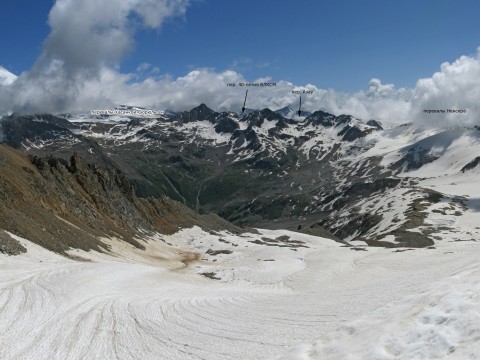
[9,245]
[321,118]
[352,133]
[471,165]
[226,125]
[375,124]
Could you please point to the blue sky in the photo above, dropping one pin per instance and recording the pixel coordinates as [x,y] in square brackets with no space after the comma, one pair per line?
[374,59]
[333,44]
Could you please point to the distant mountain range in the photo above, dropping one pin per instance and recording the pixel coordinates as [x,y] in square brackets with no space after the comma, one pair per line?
[334,176]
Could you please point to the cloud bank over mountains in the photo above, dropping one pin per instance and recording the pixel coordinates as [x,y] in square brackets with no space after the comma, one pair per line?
[78,71]
[87,39]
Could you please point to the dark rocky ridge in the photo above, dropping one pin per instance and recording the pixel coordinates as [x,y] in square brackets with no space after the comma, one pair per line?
[471,165]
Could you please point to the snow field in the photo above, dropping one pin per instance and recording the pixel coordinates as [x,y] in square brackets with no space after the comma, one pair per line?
[268,299]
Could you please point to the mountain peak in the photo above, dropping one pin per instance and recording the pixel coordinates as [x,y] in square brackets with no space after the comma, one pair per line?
[267,111]
[375,123]
[321,117]
[258,116]
[6,77]
[201,112]
[202,108]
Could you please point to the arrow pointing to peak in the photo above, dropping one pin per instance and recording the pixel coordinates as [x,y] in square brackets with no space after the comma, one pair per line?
[244,102]
[300,107]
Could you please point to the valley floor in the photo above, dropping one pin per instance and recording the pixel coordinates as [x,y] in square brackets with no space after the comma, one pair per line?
[244,297]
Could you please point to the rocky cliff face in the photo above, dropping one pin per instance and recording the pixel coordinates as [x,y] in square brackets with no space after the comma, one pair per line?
[62,205]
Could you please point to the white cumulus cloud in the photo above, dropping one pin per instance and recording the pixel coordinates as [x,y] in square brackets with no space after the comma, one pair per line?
[87,38]
[455,87]
[78,71]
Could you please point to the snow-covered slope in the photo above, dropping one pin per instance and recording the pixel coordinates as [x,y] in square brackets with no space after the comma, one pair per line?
[197,295]
[439,322]
[6,77]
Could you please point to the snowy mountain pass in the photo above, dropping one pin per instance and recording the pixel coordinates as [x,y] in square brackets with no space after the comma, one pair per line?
[199,295]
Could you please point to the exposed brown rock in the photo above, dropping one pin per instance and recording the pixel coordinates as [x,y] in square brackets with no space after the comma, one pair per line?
[62,206]
[10,246]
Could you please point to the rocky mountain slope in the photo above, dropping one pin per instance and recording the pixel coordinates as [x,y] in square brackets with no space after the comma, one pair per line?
[330,175]
[62,205]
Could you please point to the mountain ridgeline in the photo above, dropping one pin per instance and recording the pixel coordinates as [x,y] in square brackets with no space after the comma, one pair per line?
[334,176]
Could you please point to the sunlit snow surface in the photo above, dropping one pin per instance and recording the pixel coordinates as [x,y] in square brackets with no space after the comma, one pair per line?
[266,302]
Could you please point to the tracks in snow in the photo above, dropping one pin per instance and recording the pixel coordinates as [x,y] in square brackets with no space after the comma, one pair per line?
[65,309]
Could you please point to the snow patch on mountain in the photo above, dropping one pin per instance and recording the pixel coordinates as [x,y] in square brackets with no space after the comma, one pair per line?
[451,149]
